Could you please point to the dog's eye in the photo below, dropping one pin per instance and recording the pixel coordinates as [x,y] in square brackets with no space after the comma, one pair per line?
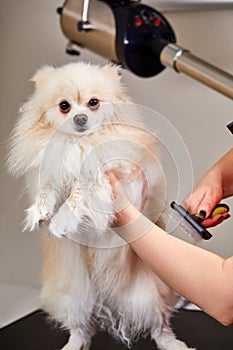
[64,106]
[93,103]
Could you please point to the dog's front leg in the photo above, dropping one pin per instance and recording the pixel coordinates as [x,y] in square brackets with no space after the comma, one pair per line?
[70,214]
[42,208]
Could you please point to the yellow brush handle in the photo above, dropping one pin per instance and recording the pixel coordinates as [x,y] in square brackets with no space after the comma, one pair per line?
[219,209]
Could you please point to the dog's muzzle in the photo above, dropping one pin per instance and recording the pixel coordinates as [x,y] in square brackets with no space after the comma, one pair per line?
[80,119]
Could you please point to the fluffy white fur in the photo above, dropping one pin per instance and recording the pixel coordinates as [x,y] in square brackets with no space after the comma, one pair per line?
[95,282]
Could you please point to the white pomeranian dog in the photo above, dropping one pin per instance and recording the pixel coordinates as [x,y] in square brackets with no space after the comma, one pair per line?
[78,124]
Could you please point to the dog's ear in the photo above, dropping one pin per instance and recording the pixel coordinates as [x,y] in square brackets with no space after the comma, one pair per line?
[113,69]
[42,75]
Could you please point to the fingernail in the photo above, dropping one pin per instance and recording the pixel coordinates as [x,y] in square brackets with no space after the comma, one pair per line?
[202,214]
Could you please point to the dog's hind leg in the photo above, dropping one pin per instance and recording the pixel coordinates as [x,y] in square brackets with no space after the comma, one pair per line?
[77,342]
[166,340]
[87,346]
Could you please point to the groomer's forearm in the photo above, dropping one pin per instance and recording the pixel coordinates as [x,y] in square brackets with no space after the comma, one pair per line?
[199,275]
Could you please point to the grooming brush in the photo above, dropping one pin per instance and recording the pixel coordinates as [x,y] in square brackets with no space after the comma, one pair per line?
[194,220]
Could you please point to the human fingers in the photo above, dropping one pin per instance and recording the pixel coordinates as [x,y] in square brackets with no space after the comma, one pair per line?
[113,181]
[218,215]
[202,200]
[119,197]
[215,220]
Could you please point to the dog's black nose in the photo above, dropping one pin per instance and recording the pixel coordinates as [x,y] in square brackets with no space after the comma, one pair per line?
[80,119]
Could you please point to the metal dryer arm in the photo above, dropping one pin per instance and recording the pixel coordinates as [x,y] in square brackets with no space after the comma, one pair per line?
[182,60]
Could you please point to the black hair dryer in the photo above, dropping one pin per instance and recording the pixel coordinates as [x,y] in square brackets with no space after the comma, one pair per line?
[136,36]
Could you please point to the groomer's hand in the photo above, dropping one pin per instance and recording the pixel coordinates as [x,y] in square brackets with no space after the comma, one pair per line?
[205,196]
[125,211]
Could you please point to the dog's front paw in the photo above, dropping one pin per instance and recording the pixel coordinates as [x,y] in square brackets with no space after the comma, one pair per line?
[55,229]
[34,216]
[64,223]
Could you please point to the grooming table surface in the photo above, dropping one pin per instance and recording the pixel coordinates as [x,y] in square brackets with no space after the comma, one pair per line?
[34,332]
